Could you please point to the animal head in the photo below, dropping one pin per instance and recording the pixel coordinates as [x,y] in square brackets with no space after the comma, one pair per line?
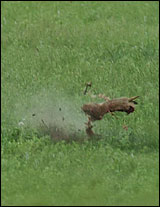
[131,104]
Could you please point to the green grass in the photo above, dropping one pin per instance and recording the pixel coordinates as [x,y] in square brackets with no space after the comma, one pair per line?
[49,51]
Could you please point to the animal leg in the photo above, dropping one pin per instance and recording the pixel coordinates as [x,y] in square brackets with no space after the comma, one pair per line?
[104,97]
[89,128]
[113,114]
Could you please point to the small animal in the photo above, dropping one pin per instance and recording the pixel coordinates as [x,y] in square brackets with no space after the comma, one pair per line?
[96,111]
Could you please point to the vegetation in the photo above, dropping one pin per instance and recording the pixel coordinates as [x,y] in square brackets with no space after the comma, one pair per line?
[49,51]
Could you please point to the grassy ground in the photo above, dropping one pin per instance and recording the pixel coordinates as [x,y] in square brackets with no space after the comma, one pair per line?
[49,51]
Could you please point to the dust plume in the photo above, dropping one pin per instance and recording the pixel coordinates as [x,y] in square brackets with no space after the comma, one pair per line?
[53,113]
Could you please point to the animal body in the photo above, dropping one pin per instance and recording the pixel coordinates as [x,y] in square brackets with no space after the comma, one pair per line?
[96,111]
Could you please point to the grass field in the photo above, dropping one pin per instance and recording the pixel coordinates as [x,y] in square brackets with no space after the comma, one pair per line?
[49,51]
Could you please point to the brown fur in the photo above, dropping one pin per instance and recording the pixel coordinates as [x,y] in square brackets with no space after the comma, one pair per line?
[96,111]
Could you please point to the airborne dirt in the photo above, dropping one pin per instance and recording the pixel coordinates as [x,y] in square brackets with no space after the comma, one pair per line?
[53,114]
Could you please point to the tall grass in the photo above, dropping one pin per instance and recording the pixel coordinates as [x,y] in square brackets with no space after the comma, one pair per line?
[49,51]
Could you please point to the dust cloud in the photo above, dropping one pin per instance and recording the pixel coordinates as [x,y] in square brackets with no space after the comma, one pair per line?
[53,113]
